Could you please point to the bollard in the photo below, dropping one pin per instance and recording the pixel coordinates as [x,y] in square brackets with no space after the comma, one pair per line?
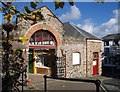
[22,82]
[30,82]
[45,83]
[98,82]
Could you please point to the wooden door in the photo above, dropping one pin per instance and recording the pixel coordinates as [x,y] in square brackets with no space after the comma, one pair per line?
[95,63]
[31,60]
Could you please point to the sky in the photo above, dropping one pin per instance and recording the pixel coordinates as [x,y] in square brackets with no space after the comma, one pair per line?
[95,18]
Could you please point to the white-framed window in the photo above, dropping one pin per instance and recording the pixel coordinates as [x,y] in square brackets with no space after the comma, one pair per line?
[110,43]
[76,58]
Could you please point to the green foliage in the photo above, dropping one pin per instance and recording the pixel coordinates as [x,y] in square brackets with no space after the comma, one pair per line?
[59,4]
[18,49]
[37,1]
[11,11]
[27,9]
[33,5]
[22,39]
[8,10]
[8,17]
[39,15]
[71,2]
[100,1]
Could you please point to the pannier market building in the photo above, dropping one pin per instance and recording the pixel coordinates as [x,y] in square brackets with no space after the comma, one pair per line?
[59,49]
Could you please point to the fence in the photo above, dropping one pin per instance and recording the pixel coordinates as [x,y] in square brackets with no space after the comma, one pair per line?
[96,82]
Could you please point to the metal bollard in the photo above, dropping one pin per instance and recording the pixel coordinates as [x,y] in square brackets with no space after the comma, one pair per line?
[97,83]
[45,83]
[22,80]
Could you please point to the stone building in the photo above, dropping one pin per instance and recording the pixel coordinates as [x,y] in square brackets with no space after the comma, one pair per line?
[59,49]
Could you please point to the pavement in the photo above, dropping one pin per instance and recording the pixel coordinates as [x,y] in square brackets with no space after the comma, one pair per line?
[57,85]
[109,83]
[112,84]
[37,83]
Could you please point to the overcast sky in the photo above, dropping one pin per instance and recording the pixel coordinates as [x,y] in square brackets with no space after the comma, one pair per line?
[95,18]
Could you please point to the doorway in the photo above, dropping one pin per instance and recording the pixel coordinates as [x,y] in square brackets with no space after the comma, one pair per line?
[95,63]
[45,61]
[43,46]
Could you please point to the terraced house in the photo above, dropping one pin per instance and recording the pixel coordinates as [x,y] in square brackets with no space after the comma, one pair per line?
[59,49]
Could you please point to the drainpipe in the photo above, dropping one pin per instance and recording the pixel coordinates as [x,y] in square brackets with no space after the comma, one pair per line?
[86,58]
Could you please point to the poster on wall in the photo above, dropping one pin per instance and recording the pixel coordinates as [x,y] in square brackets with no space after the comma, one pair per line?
[94,63]
[76,58]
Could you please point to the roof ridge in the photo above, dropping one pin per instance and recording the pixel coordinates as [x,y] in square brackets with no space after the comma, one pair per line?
[73,25]
[82,33]
[88,32]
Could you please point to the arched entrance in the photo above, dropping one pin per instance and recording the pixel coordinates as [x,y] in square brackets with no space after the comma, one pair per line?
[42,53]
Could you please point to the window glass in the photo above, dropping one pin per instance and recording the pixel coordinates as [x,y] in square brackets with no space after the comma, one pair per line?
[110,43]
[107,43]
[42,37]
[106,51]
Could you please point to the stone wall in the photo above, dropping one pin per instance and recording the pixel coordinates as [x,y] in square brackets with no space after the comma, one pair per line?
[49,20]
[93,46]
[1,54]
[79,70]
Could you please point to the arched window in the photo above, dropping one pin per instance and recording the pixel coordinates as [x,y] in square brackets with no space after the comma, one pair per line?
[42,37]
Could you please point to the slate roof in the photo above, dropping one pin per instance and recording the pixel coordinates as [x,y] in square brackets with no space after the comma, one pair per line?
[112,37]
[74,31]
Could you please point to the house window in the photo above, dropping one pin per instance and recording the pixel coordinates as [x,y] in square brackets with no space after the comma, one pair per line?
[106,51]
[108,60]
[106,43]
[76,58]
[110,43]
[119,42]
[116,43]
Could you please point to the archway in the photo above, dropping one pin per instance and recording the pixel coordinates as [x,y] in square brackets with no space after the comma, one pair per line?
[42,53]
[43,49]
[35,28]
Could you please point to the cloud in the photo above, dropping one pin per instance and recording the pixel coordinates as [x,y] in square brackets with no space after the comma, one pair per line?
[72,15]
[88,26]
[109,27]
[79,25]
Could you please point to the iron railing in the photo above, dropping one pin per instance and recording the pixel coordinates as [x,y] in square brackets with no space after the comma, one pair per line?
[96,82]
